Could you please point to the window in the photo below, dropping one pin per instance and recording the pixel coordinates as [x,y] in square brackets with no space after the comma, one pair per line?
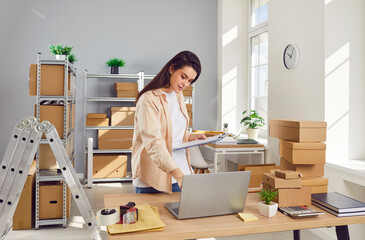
[258,40]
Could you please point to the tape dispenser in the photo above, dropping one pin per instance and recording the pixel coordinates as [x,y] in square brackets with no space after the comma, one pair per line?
[128,213]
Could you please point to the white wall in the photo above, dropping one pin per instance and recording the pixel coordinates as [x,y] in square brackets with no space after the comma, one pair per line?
[297,93]
[232,62]
[146,34]
[344,79]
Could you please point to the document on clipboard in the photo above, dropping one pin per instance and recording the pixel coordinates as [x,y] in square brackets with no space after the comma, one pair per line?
[200,142]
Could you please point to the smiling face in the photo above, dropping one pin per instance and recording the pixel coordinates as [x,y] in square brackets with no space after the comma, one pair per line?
[181,78]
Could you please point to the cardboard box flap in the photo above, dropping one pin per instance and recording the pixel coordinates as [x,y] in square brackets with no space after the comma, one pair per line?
[32,169]
[122,109]
[302,146]
[298,123]
[314,181]
[96,115]
[287,174]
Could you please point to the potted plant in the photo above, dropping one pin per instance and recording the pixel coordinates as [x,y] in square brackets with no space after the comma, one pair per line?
[115,63]
[268,208]
[225,127]
[252,121]
[60,51]
[72,58]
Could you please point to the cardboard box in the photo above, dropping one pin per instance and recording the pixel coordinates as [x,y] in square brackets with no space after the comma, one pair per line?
[122,116]
[256,172]
[188,92]
[303,153]
[127,94]
[115,139]
[51,201]
[96,115]
[298,130]
[314,181]
[319,189]
[189,107]
[46,158]
[109,166]
[313,170]
[287,174]
[97,121]
[126,86]
[276,182]
[292,197]
[190,114]
[73,116]
[54,114]
[52,80]
[23,217]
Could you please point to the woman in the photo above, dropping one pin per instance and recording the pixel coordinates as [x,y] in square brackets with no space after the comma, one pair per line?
[161,122]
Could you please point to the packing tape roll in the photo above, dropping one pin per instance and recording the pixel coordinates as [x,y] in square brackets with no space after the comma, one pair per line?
[108,216]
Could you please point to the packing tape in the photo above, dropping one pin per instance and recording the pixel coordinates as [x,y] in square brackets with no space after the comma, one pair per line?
[108,216]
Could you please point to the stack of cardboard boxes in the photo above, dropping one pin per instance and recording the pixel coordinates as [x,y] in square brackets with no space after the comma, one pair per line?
[189,108]
[302,150]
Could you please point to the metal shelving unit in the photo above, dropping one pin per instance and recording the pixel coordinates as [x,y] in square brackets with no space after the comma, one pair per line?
[140,77]
[68,100]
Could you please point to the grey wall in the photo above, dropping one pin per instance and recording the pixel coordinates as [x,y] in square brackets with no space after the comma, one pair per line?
[144,33]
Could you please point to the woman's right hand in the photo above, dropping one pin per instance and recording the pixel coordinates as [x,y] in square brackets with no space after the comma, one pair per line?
[178,175]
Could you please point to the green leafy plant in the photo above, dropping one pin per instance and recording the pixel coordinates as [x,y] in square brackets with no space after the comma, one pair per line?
[252,120]
[225,125]
[59,50]
[72,58]
[115,62]
[267,195]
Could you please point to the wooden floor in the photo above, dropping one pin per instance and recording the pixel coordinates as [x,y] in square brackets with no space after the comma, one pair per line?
[77,231]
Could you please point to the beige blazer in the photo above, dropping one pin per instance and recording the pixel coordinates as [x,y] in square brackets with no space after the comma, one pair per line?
[152,140]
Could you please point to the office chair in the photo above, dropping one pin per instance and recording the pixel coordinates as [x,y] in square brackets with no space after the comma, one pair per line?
[198,162]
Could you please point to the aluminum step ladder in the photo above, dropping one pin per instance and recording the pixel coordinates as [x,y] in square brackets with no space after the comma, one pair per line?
[16,164]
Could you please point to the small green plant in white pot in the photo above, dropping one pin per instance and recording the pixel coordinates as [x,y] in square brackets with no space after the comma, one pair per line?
[60,51]
[225,127]
[252,121]
[268,208]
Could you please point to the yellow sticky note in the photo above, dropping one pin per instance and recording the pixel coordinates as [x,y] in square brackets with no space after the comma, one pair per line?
[247,217]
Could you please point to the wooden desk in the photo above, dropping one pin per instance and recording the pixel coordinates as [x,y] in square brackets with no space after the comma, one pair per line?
[227,225]
[217,149]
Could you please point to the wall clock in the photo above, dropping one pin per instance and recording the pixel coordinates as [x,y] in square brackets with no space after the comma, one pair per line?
[291,56]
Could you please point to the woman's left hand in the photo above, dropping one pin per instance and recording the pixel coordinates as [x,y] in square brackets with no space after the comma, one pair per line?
[196,136]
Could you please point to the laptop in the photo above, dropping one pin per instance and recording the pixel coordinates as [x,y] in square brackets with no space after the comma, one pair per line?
[211,194]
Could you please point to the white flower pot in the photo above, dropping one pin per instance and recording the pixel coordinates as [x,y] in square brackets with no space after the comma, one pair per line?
[268,210]
[253,133]
[61,57]
[225,130]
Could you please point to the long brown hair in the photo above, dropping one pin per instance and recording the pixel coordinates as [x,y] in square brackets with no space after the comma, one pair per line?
[162,79]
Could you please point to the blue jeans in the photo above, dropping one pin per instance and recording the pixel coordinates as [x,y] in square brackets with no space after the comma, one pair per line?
[175,188]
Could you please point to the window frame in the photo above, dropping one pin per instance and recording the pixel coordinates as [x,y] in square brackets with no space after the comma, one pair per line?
[253,32]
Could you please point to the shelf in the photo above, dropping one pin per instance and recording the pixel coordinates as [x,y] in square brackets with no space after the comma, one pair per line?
[58,62]
[108,127]
[50,175]
[109,99]
[50,222]
[56,98]
[112,76]
[112,151]
[100,180]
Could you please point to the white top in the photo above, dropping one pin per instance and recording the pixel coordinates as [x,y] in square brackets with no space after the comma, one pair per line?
[178,122]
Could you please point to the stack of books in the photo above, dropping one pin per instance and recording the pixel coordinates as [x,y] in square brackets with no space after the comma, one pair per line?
[338,204]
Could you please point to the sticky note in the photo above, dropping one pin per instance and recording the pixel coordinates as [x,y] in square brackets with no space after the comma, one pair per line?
[247,217]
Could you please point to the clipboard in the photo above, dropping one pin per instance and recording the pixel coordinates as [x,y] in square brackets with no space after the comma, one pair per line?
[200,142]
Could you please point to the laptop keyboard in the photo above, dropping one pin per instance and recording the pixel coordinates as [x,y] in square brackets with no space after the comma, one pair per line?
[175,210]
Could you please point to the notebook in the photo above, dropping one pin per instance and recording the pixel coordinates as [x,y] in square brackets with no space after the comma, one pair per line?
[213,194]
[338,202]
